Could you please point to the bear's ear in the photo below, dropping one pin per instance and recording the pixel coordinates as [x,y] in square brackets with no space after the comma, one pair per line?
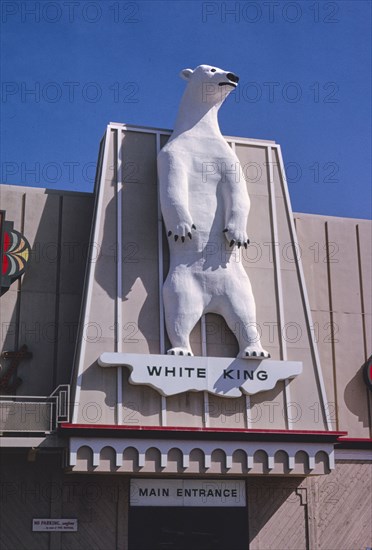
[186,73]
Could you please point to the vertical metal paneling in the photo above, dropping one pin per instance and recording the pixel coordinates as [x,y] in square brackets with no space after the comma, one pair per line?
[13,204]
[347,327]
[93,316]
[37,319]
[308,390]
[76,221]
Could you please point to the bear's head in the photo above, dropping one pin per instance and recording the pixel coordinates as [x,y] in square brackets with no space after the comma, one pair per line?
[210,84]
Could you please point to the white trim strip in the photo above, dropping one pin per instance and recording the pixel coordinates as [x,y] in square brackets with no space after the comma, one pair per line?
[160,283]
[270,462]
[89,289]
[248,405]
[353,454]
[248,411]
[279,284]
[27,442]
[167,132]
[229,462]
[203,331]
[119,459]
[160,262]
[331,459]
[119,273]
[291,462]
[305,298]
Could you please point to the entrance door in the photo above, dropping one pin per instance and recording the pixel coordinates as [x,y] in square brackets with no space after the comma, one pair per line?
[182,528]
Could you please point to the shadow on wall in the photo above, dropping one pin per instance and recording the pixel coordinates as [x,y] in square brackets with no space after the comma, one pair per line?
[352,396]
[139,273]
[46,308]
[270,503]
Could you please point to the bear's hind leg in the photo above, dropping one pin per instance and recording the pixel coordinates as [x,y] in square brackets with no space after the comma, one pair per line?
[239,312]
[182,312]
[179,328]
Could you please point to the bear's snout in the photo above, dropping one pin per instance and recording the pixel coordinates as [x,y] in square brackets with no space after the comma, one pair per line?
[233,77]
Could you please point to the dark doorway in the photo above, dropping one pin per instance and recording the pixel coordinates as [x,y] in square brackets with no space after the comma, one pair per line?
[182,528]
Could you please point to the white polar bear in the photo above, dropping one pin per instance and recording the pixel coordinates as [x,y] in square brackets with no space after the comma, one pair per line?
[204,199]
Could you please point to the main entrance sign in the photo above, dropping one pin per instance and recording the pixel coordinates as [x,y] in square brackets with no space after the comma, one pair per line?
[223,376]
[187,492]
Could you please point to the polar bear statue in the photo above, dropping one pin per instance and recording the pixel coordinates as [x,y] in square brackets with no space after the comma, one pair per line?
[205,205]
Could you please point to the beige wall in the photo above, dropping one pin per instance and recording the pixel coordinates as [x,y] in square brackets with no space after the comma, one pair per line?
[317,513]
[277,285]
[336,254]
[43,310]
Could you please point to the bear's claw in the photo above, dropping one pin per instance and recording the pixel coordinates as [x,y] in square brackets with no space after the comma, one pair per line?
[236,238]
[263,354]
[179,351]
[182,232]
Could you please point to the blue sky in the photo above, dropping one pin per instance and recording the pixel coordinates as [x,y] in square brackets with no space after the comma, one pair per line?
[70,67]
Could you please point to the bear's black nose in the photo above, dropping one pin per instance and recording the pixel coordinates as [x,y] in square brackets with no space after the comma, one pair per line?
[232,77]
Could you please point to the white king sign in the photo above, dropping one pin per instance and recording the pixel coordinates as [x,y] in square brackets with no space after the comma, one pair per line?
[226,377]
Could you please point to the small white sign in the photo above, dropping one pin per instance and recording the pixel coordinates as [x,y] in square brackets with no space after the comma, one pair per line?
[223,376]
[52,524]
[187,492]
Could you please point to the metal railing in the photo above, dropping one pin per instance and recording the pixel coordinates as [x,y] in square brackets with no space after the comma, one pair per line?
[35,414]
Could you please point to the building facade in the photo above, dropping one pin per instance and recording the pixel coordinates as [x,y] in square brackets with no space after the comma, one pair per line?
[104,433]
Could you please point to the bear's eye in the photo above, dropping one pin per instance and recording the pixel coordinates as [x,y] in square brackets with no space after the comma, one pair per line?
[213,70]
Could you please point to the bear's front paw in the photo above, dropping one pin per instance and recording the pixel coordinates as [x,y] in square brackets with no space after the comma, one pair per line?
[253,352]
[180,351]
[182,230]
[236,237]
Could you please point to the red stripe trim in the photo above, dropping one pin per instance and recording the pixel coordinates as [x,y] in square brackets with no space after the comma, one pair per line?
[69,426]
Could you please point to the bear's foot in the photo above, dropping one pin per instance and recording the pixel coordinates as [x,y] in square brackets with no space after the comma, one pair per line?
[179,351]
[254,352]
[238,238]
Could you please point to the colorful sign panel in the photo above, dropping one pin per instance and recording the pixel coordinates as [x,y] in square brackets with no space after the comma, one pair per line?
[187,492]
[367,373]
[14,253]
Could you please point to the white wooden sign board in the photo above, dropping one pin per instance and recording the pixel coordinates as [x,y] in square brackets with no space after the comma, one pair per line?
[187,492]
[223,376]
[54,524]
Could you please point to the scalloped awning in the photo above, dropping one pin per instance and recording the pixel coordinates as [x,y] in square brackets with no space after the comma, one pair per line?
[175,455]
